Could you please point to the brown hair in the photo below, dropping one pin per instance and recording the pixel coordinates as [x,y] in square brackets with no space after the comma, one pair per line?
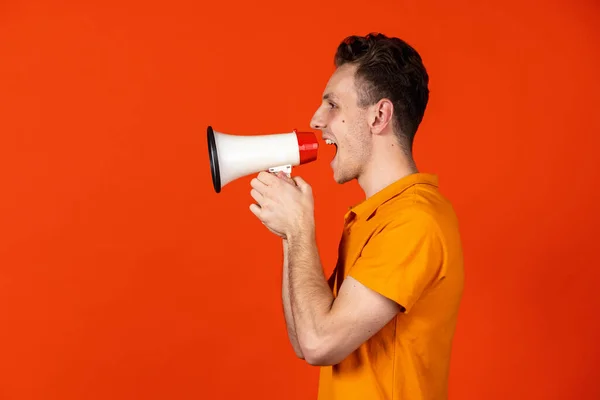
[388,67]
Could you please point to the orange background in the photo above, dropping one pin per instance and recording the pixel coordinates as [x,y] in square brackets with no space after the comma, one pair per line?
[117,282]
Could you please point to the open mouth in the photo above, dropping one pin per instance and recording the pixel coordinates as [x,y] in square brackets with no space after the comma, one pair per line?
[329,141]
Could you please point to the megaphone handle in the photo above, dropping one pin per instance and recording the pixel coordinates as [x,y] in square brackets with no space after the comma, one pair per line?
[287,169]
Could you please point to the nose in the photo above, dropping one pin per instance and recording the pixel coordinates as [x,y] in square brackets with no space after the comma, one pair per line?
[317,121]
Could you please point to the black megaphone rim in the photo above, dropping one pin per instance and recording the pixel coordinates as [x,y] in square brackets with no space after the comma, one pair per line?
[214,159]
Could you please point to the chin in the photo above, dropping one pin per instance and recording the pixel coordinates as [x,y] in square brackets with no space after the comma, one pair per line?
[340,178]
[336,175]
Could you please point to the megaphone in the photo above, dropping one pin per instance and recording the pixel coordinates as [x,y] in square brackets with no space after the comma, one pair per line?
[235,156]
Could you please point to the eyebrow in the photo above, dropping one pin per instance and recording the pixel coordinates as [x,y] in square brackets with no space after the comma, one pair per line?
[328,96]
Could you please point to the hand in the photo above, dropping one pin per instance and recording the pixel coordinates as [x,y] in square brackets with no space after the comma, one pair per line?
[284,205]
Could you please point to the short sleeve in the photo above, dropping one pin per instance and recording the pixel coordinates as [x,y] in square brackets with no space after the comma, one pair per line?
[401,259]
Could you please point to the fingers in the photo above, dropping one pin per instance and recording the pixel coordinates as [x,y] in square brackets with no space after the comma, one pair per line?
[258,185]
[266,185]
[258,191]
[264,181]
[255,209]
[267,178]
[256,196]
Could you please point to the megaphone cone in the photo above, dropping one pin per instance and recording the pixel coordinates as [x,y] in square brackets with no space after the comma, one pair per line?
[234,156]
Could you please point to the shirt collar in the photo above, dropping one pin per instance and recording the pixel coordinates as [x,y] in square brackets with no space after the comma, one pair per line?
[366,208]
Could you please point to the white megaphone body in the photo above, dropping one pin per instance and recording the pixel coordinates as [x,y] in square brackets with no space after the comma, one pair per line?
[235,156]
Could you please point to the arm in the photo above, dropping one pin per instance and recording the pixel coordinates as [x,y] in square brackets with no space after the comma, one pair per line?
[394,268]
[329,330]
[287,309]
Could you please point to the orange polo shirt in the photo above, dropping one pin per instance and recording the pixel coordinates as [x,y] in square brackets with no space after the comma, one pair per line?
[404,243]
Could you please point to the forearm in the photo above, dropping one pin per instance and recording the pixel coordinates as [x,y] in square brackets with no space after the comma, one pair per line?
[310,295]
[287,309]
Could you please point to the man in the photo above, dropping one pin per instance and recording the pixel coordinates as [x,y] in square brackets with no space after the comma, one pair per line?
[382,326]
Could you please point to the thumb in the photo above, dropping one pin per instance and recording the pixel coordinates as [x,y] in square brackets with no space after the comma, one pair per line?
[301,183]
[285,177]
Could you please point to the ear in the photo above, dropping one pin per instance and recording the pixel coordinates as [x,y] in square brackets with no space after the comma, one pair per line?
[381,117]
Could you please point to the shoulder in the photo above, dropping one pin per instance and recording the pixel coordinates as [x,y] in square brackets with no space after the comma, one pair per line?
[421,210]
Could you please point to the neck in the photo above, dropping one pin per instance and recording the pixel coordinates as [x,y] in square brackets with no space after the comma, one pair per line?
[384,168]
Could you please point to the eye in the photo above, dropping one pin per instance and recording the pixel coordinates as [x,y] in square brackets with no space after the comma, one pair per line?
[331,105]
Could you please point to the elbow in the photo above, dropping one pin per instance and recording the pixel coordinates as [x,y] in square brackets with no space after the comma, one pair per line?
[320,358]
[320,352]
[317,360]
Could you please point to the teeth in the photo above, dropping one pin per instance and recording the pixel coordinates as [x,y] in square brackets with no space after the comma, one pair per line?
[328,141]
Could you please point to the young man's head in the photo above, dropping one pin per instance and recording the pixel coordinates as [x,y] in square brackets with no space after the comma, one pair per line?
[373,104]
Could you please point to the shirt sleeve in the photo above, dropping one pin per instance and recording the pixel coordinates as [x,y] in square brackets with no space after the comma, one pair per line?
[401,259]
